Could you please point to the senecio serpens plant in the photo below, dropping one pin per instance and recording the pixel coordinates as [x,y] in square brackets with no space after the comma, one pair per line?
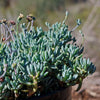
[34,62]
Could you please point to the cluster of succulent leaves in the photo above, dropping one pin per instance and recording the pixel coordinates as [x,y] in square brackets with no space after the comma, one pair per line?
[38,60]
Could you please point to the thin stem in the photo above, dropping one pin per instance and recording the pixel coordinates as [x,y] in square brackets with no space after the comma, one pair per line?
[82,41]
[10,33]
[28,25]
[7,38]
[82,37]
[6,32]
[75,28]
[1,32]
[31,25]
[65,17]
[17,28]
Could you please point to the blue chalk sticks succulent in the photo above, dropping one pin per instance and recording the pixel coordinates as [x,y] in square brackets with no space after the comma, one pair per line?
[34,62]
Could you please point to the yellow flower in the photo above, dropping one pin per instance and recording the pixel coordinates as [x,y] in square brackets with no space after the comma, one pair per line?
[30,17]
[20,17]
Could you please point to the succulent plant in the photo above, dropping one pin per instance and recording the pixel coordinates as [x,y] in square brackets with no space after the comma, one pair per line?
[34,62]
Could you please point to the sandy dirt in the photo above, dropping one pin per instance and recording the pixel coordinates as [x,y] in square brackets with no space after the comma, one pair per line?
[90,89]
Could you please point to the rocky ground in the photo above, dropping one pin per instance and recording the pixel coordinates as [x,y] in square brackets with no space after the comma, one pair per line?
[90,89]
